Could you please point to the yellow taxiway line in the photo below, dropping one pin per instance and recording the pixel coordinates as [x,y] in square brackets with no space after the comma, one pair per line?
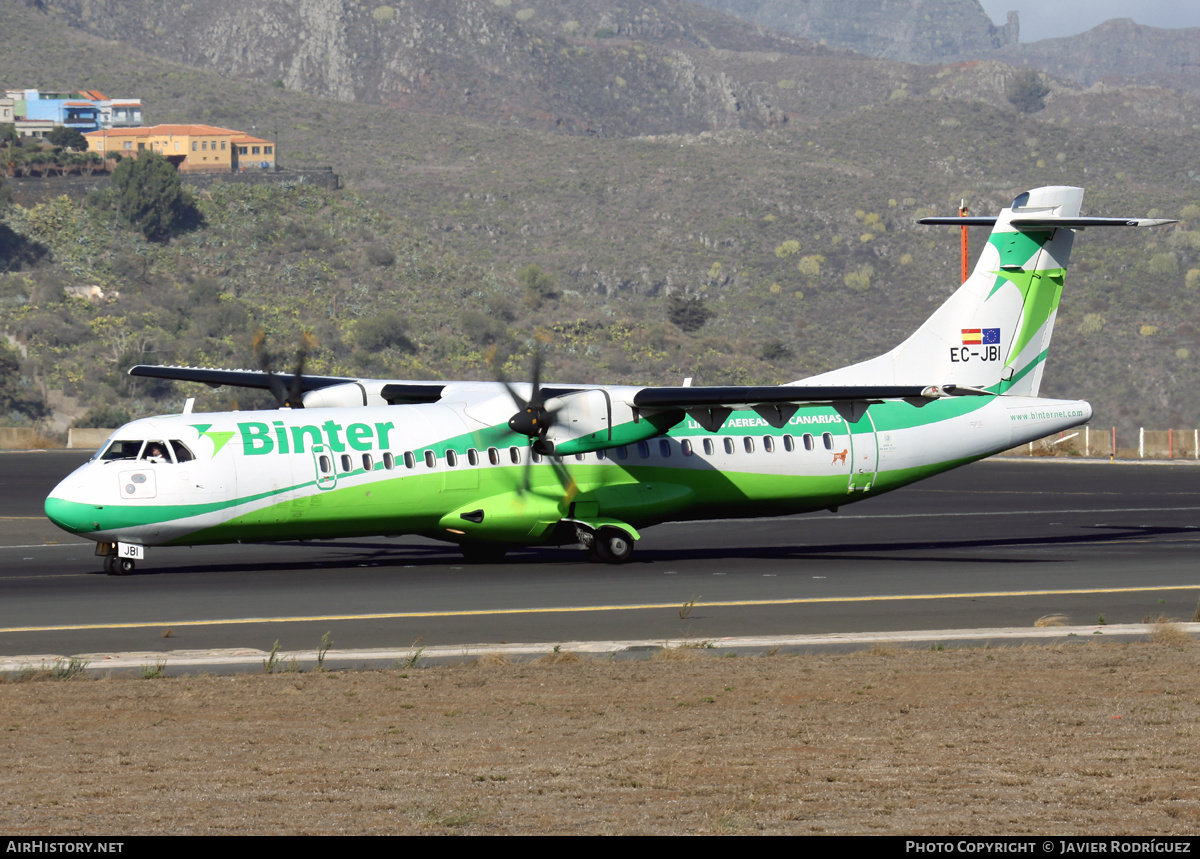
[402,615]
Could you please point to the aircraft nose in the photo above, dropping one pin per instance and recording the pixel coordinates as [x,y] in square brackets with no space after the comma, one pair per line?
[65,509]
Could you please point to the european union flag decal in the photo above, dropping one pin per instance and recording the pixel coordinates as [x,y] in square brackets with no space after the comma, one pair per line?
[991,335]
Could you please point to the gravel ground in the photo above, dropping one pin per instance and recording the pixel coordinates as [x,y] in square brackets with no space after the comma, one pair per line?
[1095,738]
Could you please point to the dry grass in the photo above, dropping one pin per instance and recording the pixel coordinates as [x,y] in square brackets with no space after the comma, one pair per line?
[1095,737]
[1170,633]
[1051,620]
[486,659]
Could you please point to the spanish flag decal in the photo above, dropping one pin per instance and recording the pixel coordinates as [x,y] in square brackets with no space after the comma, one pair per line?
[978,336]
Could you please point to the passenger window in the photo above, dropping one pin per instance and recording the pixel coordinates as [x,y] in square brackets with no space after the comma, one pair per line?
[514,453]
[451,458]
[643,450]
[808,441]
[410,461]
[708,447]
[664,448]
[535,456]
[182,454]
[789,443]
[686,446]
[622,452]
[769,443]
[579,457]
[729,445]
[368,462]
[473,456]
[324,463]
[827,438]
[748,443]
[389,461]
[599,456]
[347,465]
[430,458]
[493,456]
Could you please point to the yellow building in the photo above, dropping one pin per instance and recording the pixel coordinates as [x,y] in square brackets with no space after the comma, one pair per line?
[191,148]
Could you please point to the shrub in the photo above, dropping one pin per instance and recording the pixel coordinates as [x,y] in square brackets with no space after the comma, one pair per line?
[106,416]
[689,312]
[151,198]
[383,331]
[1026,91]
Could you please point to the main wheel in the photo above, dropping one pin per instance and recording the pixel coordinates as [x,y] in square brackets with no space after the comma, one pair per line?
[125,566]
[110,565]
[613,546]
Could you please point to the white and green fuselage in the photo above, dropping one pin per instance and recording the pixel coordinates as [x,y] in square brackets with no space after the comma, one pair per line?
[326,473]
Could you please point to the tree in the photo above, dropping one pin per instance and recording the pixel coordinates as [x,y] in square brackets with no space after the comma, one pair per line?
[151,197]
[689,312]
[539,286]
[67,138]
[1026,91]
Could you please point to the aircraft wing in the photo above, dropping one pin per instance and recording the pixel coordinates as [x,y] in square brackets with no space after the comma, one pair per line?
[338,390]
[393,392]
[235,378]
[750,395]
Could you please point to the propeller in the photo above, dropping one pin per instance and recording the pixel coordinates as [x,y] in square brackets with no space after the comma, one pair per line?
[534,418]
[286,395]
[535,415]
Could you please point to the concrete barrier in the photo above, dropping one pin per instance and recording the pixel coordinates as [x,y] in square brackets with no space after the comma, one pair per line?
[87,439]
[19,438]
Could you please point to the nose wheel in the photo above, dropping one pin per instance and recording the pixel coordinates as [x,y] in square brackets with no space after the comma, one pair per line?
[115,566]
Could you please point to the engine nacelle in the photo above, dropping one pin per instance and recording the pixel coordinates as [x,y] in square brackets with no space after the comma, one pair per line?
[587,421]
[346,395]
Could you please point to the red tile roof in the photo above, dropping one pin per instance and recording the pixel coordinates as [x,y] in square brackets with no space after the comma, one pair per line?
[154,130]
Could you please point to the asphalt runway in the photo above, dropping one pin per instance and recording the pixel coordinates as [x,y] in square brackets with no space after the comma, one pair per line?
[995,544]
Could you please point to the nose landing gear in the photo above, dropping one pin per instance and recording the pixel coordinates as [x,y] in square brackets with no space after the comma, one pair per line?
[120,559]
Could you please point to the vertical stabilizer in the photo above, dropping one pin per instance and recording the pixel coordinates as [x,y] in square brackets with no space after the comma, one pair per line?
[994,331]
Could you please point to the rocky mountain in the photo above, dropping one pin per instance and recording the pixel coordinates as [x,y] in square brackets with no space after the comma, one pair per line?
[571,66]
[1119,51]
[915,31]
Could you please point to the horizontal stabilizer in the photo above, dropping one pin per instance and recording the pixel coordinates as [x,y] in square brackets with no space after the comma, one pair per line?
[1083,223]
[955,221]
[1045,222]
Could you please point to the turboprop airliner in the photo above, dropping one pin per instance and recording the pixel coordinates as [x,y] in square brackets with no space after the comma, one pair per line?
[595,464]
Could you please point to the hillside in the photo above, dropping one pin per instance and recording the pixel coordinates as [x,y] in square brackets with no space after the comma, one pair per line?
[801,236]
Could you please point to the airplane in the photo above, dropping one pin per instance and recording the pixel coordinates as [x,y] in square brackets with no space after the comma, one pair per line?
[595,464]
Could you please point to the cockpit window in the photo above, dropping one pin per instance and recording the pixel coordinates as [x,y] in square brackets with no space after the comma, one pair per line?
[123,449]
[156,451]
[182,454]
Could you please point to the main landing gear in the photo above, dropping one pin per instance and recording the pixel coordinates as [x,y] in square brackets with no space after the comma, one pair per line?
[606,546]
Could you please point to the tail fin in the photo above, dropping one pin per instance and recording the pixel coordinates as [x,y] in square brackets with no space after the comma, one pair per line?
[993,332]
